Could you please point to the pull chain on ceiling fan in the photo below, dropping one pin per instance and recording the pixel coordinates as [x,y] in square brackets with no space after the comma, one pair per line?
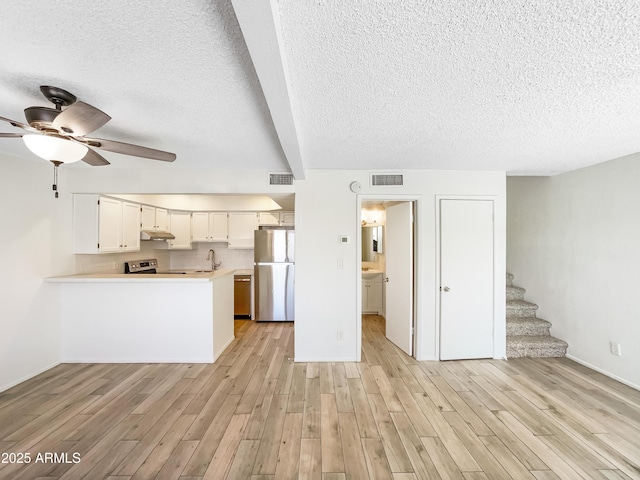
[58,134]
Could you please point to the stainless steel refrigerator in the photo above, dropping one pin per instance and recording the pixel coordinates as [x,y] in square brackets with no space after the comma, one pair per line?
[274,264]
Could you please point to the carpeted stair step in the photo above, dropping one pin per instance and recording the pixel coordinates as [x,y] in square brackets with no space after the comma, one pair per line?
[535,346]
[521,308]
[515,293]
[527,326]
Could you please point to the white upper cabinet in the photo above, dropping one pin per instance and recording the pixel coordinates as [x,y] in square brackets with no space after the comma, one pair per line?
[284,219]
[130,227]
[154,219]
[209,226]
[105,225]
[287,219]
[268,218]
[180,227]
[162,220]
[218,226]
[200,227]
[241,228]
[109,213]
[148,217]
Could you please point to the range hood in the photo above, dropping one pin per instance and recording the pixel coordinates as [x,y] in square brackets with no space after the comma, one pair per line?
[155,235]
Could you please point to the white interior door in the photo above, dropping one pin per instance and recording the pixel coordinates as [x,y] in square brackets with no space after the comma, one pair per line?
[399,266]
[466,279]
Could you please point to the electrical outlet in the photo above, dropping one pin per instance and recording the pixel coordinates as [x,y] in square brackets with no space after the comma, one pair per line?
[615,348]
[340,334]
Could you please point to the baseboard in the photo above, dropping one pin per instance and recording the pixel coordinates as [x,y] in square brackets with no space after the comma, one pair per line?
[229,342]
[427,359]
[604,372]
[27,377]
[324,359]
[137,360]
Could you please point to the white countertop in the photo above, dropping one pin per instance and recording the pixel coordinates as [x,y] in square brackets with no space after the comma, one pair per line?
[141,278]
[244,271]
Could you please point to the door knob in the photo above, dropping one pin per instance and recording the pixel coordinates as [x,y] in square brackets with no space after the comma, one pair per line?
[446,289]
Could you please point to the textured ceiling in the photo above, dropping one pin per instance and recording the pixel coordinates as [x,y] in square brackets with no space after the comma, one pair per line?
[522,86]
[530,87]
[172,75]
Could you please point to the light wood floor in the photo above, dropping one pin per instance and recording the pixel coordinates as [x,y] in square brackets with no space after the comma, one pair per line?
[255,414]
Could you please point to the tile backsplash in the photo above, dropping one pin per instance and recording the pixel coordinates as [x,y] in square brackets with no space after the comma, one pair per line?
[194,259]
[114,262]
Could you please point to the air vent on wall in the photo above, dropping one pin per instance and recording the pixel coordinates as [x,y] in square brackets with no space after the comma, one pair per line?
[386,179]
[281,179]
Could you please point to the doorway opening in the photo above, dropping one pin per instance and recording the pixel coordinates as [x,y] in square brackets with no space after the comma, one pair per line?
[387,266]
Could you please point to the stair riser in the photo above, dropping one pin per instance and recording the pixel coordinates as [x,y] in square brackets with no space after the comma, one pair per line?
[552,351]
[521,311]
[535,330]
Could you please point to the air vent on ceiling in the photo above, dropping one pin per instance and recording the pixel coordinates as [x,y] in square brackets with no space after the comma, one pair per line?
[281,179]
[386,179]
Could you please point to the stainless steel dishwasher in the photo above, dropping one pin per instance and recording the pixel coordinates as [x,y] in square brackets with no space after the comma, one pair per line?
[242,296]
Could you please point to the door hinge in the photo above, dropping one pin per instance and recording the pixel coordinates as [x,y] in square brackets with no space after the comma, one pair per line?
[98,202]
[98,246]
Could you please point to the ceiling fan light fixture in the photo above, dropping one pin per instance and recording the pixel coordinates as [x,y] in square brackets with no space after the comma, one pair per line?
[53,148]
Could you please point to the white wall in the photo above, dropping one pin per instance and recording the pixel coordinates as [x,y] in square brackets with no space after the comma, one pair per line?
[35,243]
[574,244]
[326,297]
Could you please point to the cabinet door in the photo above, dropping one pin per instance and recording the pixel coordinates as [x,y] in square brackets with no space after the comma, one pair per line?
[180,223]
[162,220]
[374,299]
[365,297]
[200,227]
[268,218]
[148,217]
[130,227]
[241,228]
[109,225]
[287,219]
[218,229]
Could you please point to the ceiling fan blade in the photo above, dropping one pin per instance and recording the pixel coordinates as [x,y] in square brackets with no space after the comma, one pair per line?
[24,126]
[11,135]
[94,159]
[130,149]
[80,119]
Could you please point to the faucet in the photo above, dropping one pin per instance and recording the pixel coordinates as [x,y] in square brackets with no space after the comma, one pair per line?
[212,256]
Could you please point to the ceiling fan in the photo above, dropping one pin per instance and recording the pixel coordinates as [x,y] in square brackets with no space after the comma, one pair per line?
[58,134]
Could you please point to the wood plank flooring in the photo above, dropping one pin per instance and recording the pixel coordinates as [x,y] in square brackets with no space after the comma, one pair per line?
[255,414]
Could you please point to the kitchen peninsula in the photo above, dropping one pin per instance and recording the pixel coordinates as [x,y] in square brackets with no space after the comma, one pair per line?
[156,318]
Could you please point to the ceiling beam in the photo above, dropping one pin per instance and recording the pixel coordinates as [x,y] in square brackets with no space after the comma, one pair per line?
[260,24]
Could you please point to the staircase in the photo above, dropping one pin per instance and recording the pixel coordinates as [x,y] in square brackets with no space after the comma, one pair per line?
[527,335]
